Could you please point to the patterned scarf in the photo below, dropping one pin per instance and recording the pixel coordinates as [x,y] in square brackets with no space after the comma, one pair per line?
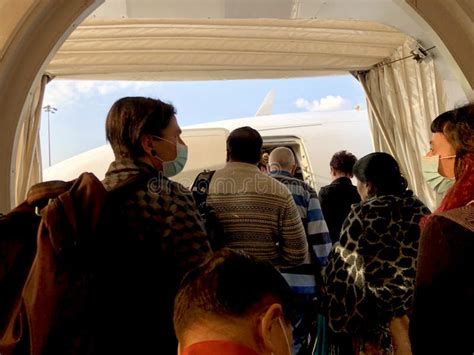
[462,191]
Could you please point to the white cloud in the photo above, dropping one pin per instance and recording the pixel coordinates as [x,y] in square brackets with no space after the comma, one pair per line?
[328,103]
[59,92]
[84,86]
[64,92]
[106,89]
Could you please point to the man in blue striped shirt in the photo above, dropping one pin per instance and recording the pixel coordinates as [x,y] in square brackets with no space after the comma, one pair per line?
[307,278]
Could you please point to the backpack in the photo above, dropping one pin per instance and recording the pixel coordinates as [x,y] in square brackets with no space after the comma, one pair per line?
[45,267]
[18,245]
[214,228]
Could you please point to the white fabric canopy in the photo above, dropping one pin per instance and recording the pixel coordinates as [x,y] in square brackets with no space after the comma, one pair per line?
[207,49]
[403,98]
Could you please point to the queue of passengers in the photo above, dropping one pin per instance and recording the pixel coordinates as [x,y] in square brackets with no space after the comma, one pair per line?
[365,288]
[364,269]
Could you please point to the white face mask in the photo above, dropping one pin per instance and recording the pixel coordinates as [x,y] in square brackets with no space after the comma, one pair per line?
[433,178]
[175,166]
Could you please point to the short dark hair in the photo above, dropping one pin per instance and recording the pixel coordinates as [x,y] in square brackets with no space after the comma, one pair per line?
[343,162]
[130,118]
[381,170]
[231,283]
[459,130]
[438,124]
[244,144]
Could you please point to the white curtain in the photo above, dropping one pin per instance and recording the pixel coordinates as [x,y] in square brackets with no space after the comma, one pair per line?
[217,49]
[403,98]
[28,160]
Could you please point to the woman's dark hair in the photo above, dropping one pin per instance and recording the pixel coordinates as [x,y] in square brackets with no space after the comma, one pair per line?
[459,130]
[381,170]
[130,118]
[437,126]
[343,162]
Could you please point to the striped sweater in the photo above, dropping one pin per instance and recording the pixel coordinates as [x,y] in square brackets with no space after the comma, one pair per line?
[302,279]
[258,215]
[311,214]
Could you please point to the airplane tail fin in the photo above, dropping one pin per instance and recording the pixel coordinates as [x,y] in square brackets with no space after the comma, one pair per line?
[266,107]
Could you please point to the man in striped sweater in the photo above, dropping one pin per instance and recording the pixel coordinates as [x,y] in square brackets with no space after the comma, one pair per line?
[257,213]
[307,278]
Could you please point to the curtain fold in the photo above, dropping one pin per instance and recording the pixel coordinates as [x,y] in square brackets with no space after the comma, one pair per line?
[28,159]
[402,100]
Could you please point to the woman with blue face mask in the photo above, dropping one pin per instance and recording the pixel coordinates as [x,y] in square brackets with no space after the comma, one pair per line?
[452,144]
[438,164]
[154,231]
[444,297]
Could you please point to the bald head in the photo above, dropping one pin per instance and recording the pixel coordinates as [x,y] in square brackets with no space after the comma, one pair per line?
[282,158]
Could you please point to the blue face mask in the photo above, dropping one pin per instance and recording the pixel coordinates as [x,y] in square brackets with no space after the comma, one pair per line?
[433,178]
[174,167]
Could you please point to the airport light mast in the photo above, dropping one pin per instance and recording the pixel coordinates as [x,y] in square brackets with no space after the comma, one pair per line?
[49,109]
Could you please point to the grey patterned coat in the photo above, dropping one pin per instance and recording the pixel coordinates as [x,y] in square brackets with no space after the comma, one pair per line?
[155,238]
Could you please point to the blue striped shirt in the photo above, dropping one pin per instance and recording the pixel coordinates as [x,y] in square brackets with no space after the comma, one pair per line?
[302,278]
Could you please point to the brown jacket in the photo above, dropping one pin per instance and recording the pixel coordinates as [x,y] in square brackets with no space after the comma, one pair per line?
[51,295]
[444,293]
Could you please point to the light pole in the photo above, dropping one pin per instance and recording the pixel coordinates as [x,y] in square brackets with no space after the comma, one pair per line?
[49,109]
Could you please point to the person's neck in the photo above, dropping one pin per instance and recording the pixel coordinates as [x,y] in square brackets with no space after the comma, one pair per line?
[238,161]
[339,175]
[223,332]
[284,171]
[156,165]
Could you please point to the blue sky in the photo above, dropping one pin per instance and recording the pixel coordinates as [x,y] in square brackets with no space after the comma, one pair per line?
[82,106]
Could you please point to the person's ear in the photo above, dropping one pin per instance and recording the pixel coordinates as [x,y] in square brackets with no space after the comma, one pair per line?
[147,144]
[268,326]
[369,187]
[293,169]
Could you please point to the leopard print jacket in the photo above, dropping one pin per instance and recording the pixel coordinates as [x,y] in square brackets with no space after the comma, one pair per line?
[371,272]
